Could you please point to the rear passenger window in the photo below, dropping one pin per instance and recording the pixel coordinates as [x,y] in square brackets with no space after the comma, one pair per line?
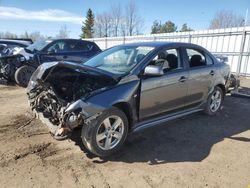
[198,59]
[57,47]
[83,46]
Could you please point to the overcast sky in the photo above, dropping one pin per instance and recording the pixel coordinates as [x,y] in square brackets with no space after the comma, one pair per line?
[47,16]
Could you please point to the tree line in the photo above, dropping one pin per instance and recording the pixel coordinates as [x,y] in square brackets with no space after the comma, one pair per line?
[63,33]
[117,21]
[167,27]
[126,21]
[34,36]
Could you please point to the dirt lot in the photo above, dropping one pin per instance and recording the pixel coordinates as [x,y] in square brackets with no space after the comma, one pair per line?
[196,151]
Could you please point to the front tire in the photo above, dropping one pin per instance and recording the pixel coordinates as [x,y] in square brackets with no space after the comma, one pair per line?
[214,101]
[106,134]
[23,74]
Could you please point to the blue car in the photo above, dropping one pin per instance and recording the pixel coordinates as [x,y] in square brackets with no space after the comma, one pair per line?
[20,66]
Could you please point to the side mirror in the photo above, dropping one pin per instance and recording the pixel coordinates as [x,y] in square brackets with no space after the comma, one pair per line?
[153,70]
[222,59]
[51,52]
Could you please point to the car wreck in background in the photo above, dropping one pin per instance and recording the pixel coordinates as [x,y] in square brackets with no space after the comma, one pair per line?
[125,89]
[3,50]
[12,46]
[20,65]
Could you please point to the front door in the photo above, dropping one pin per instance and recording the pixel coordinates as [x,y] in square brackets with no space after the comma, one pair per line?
[166,93]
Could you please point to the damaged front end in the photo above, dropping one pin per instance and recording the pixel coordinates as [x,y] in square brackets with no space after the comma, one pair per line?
[57,92]
[9,64]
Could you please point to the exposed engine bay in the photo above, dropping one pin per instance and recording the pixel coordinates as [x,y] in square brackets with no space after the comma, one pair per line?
[71,85]
[59,88]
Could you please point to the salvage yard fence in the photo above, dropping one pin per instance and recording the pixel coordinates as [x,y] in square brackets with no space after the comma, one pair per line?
[231,42]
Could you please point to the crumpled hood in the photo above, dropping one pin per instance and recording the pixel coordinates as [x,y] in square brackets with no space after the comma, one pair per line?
[75,66]
[45,71]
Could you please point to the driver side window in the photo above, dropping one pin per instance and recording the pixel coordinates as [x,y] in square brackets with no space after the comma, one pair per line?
[169,60]
[57,47]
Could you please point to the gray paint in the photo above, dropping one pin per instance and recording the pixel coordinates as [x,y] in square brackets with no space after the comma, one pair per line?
[150,97]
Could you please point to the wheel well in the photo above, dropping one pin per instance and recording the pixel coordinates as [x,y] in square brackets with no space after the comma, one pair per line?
[222,88]
[127,110]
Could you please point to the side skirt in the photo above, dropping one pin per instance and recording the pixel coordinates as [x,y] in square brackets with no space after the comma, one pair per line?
[157,121]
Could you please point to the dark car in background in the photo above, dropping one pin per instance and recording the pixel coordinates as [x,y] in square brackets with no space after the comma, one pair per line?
[125,89]
[19,67]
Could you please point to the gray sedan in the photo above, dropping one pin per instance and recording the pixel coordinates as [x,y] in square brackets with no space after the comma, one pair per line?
[125,89]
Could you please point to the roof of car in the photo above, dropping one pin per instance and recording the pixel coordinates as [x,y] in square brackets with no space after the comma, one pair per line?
[68,39]
[160,44]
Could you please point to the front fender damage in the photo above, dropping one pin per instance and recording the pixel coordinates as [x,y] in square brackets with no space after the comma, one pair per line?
[87,113]
[60,116]
[65,96]
[57,94]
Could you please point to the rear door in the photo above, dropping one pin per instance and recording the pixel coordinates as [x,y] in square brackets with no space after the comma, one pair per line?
[201,75]
[164,94]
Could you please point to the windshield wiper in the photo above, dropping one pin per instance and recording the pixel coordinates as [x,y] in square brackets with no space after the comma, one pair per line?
[27,50]
[98,65]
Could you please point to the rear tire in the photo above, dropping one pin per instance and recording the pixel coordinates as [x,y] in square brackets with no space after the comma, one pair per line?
[214,101]
[107,133]
[23,74]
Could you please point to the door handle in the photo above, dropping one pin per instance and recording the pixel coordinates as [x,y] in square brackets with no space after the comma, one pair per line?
[182,79]
[65,57]
[212,73]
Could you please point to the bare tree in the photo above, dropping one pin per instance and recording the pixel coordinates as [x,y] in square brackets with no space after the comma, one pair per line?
[131,17]
[115,23]
[116,16]
[63,32]
[103,24]
[139,26]
[107,21]
[123,27]
[225,19]
[98,26]
[8,34]
[35,36]
[25,35]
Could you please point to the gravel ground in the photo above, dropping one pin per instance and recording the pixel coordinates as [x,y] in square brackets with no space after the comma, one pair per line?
[195,151]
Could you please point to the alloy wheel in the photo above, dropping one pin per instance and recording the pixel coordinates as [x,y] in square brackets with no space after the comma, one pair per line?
[216,99]
[110,132]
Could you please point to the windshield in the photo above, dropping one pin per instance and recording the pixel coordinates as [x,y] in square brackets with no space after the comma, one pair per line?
[39,45]
[120,59]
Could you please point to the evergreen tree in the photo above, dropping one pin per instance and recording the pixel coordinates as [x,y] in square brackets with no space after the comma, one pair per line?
[156,28]
[168,27]
[185,28]
[88,25]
